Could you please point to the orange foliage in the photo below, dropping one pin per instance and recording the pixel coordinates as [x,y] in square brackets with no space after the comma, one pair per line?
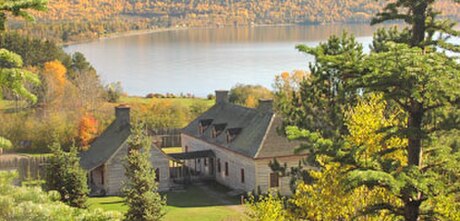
[87,130]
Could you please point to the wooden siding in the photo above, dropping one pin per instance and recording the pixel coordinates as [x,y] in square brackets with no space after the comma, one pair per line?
[236,162]
[115,171]
[263,174]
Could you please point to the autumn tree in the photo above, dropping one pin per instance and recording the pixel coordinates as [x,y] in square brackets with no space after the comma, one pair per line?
[140,189]
[55,81]
[248,94]
[88,129]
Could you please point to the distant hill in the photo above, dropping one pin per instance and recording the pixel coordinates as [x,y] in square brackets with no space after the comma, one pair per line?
[74,20]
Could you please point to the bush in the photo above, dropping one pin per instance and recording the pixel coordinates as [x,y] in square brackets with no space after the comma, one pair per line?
[114,92]
[211,96]
[154,95]
[32,203]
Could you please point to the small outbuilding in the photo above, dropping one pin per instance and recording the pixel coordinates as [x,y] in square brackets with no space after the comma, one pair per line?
[104,159]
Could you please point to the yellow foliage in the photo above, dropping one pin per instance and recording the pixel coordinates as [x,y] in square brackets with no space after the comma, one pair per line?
[366,120]
[251,101]
[55,77]
[268,208]
[57,70]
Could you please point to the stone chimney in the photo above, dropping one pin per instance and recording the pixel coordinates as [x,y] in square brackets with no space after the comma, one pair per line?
[221,96]
[122,114]
[265,105]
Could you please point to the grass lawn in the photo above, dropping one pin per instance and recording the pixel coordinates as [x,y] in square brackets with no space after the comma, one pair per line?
[169,150]
[196,203]
[182,101]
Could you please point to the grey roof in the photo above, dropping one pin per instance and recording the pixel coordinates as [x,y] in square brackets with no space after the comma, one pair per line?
[249,126]
[105,145]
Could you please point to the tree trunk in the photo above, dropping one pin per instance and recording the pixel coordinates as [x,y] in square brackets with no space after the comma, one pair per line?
[415,143]
[411,210]
[418,25]
[412,205]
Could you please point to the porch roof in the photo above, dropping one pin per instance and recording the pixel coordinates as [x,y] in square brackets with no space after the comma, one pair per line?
[192,155]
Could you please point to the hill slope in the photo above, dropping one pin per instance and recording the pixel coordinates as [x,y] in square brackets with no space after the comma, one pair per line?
[71,20]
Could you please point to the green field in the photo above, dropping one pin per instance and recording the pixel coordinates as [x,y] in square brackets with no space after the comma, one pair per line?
[183,101]
[169,150]
[195,203]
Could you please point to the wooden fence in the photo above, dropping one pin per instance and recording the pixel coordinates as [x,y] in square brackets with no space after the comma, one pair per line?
[166,137]
[27,167]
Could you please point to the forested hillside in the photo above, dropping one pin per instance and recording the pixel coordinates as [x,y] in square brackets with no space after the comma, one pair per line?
[74,20]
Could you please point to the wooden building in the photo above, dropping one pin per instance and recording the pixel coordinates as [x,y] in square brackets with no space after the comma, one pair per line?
[243,141]
[104,159]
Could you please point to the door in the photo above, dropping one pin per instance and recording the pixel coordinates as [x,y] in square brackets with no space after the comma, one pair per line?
[211,166]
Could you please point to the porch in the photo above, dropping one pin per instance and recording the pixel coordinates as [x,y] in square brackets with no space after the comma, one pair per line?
[190,167]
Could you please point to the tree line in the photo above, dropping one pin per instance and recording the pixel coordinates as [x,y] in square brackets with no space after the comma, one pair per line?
[68,21]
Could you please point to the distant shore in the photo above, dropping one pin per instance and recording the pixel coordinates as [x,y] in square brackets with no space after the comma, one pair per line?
[149,31]
[124,34]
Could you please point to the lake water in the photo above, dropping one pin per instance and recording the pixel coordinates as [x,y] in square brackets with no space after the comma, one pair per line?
[199,61]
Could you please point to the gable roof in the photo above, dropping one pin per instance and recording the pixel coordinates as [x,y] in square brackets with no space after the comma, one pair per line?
[249,127]
[105,145]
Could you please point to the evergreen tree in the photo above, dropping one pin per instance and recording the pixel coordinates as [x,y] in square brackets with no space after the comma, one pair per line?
[424,26]
[140,189]
[16,8]
[423,85]
[65,175]
[413,77]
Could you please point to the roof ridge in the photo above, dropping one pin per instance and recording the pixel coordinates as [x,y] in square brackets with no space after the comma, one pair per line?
[262,142]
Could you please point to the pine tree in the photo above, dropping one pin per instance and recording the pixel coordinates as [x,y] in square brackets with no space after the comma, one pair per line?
[140,189]
[413,77]
[421,16]
[65,175]
[16,8]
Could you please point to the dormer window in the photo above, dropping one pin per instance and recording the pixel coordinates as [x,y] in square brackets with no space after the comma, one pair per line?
[232,133]
[218,129]
[203,125]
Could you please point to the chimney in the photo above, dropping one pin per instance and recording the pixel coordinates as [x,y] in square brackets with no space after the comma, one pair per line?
[221,96]
[122,114]
[265,105]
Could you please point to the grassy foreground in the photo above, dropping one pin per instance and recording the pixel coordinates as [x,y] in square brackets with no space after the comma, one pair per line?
[195,203]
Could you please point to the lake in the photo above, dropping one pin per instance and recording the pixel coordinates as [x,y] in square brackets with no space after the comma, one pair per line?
[199,61]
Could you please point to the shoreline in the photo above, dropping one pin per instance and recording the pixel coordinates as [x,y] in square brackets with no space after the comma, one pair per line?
[150,31]
[122,34]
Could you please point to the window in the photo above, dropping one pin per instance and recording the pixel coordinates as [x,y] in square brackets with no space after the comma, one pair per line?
[217,130]
[203,125]
[218,165]
[102,176]
[205,161]
[274,180]
[91,177]
[157,174]
[186,149]
[226,168]
[232,133]
[242,175]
